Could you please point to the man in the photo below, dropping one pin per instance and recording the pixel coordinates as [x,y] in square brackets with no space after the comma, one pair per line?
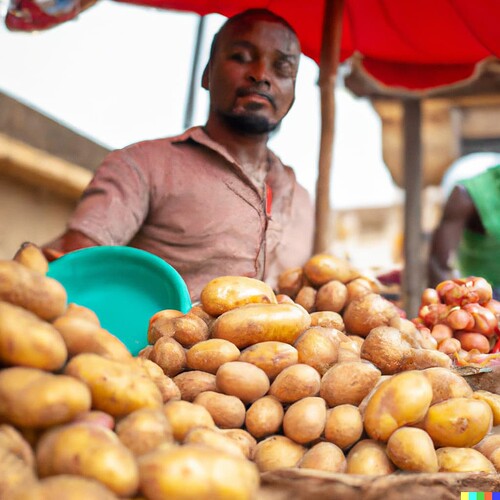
[215,200]
[467,238]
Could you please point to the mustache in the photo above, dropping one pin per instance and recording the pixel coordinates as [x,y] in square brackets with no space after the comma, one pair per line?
[243,92]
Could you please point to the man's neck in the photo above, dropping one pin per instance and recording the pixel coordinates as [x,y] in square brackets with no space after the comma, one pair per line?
[249,150]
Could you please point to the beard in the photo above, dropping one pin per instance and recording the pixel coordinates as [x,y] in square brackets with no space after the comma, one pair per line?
[250,124]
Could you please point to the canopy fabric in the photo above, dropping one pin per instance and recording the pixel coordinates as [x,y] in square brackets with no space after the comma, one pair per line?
[414,45]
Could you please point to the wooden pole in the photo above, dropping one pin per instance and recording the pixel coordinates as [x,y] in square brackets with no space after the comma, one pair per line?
[413,274]
[329,61]
[193,83]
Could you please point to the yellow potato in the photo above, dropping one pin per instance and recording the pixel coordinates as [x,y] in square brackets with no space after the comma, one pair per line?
[31,290]
[32,257]
[127,387]
[365,313]
[327,319]
[490,448]
[348,383]
[193,383]
[322,268]
[161,324]
[270,356]
[243,380]
[227,411]
[229,292]
[209,354]
[264,417]
[277,452]
[82,312]
[201,313]
[91,451]
[33,398]
[197,472]
[324,456]
[369,457]
[254,323]
[319,347]
[295,382]
[458,422]
[332,296]
[144,430]
[412,449]
[65,486]
[17,461]
[304,420]
[26,340]
[290,281]
[169,355]
[214,439]
[446,384]
[243,439]
[184,416]
[190,329]
[452,459]
[165,385]
[82,335]
[307,298]
[403,399]
[344,426]
[493,401]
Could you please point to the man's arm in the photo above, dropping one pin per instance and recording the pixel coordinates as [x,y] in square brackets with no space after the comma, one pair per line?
[67,242]
[458,210]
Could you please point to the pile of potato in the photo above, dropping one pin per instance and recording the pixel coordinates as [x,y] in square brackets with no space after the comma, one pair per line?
[461,315]
[247,381]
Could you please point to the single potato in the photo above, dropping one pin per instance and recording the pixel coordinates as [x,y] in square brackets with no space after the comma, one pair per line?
[270,356]
[229,292]
[227,411]
[348,383]
[243,380]
[264,417]
[403,399]
[91,451]
[197,472]
[458,422]
[127,387]
[412,449]
[277,452]
[452,459]
[304,420]
[191,384]
[296,382]
[344,426]
[254,323]
[324,456]
[33,398]
[210,354]
[184,416]
[369,457]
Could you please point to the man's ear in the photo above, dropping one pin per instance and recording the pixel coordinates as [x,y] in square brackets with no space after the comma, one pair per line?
[205,78]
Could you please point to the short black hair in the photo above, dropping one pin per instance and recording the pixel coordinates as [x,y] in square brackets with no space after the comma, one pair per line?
[262,14]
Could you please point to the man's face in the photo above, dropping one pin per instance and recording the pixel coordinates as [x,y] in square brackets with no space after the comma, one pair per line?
[252,75]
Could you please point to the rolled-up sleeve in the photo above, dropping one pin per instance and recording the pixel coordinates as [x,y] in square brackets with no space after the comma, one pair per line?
[115,204]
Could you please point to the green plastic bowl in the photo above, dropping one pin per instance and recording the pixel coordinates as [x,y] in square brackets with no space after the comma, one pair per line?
[124,286]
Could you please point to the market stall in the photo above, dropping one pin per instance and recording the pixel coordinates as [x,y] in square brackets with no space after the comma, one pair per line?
[408,45]
[321,388]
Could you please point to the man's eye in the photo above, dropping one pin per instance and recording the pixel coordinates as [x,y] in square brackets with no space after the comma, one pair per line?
[239,57]
[285,68]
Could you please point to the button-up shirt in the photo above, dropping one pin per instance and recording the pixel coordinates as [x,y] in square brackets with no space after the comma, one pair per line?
[187,200]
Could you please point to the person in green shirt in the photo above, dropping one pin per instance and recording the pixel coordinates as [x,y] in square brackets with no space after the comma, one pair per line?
[466,242]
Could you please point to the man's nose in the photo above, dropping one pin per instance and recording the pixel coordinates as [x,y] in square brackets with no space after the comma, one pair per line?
[259,73]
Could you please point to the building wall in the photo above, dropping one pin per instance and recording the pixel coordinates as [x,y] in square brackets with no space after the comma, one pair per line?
[29,213]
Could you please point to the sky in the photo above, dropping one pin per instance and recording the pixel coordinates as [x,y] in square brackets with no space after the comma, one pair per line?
[120,73]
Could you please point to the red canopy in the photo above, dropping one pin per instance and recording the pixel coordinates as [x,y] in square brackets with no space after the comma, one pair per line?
[411,44]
